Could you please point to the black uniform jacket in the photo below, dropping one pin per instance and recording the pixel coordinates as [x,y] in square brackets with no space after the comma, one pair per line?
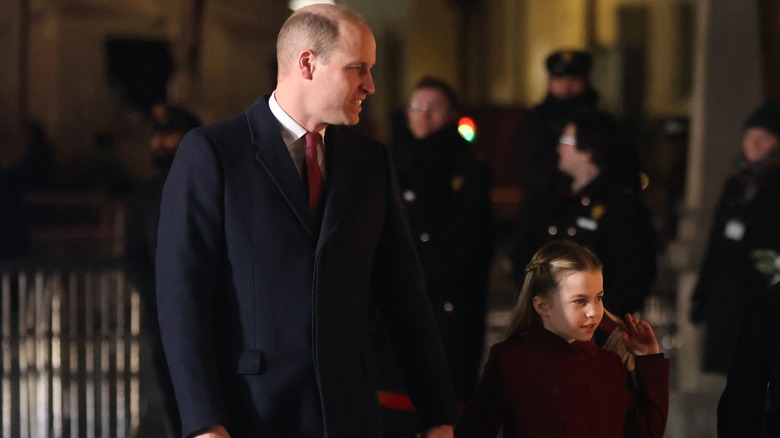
[610,220]
[445,189]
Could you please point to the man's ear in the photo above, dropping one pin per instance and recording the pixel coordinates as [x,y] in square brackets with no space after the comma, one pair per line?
[306,63]
[540,305]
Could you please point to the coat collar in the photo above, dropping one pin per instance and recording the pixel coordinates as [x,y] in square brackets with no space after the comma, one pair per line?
[541,338]
[274,158]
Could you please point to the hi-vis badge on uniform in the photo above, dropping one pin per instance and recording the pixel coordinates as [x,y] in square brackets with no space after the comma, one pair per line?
[587,223]
[735,230]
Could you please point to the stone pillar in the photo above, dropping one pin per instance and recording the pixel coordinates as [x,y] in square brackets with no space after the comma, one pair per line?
[727,88]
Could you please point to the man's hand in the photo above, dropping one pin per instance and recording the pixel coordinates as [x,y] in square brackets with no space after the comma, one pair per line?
[213,432]
[439,432]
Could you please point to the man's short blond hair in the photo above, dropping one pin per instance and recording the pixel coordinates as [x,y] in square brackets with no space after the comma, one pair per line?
[314,28]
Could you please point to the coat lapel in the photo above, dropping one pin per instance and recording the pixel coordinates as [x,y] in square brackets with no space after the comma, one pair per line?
[339,184]
[274,158]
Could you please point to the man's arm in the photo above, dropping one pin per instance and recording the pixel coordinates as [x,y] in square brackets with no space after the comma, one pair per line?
[189,259]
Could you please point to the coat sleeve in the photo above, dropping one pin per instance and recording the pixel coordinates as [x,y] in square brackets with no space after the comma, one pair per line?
[189,258]
[741,406]
[484,415]
[650,407]
[406,310]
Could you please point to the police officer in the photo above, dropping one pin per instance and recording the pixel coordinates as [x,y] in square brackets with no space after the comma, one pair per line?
[445,190]
[568,90]
[744,239]
[597,210]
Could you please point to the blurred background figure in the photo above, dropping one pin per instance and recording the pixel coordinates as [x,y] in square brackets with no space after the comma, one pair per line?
[14,233]
[34,171]
[143,215]
[743,410]
[445,188]
[744,241]
[568,90]
[598,210]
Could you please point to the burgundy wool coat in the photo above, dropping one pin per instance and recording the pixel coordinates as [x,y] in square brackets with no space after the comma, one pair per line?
[536,384]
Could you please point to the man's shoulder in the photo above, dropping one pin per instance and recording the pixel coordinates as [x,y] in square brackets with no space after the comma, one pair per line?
[352,135]
[228,125]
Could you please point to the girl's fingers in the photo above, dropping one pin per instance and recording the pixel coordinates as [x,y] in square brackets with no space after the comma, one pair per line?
[631,323]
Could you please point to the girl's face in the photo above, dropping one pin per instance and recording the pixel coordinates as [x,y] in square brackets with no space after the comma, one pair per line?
[575,311]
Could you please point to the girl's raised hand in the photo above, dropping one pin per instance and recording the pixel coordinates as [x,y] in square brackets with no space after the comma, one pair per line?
[639,338]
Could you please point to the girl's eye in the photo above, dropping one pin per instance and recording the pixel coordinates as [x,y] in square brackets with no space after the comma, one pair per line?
[600,297]
[581,301]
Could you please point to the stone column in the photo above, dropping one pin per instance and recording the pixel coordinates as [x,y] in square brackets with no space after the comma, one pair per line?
[727,88]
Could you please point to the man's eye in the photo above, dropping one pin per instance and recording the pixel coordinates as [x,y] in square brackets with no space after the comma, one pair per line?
[360,69]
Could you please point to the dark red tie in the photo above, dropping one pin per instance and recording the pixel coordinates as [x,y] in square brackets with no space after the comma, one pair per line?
[313,171]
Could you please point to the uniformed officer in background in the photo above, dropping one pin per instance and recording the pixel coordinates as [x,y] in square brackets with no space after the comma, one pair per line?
[597,209]
[445,188]
[569,89]
[744,240]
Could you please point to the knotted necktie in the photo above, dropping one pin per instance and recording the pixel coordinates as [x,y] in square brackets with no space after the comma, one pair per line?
[313,140]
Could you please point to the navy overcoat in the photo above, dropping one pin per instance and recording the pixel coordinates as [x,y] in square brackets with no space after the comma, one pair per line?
[266,309]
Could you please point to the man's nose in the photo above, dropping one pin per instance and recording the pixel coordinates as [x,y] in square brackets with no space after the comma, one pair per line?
[368,83]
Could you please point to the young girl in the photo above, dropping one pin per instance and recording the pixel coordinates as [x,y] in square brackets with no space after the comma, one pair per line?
[548,379]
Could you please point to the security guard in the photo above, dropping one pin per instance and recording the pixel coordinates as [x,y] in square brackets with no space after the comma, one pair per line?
[744,240]
[445,190]
[596,210]
[569,89]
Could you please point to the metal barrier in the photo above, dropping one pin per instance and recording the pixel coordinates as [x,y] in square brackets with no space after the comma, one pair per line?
[70,352]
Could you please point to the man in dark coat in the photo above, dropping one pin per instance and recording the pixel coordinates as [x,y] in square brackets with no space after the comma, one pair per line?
[265,291]
[143,215]
[445,188]
[744,231]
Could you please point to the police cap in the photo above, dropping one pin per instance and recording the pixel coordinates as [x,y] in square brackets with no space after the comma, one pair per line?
[568,63]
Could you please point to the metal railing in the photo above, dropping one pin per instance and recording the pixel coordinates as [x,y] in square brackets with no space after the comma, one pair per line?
[70,352]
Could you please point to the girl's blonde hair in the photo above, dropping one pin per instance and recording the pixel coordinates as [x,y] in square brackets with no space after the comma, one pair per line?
[543,277]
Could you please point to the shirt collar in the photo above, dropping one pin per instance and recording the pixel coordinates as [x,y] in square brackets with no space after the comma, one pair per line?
[291,130]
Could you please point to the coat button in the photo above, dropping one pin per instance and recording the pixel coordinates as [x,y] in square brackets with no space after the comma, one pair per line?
[409,196]
[553,230]
[424,237]
[571,231]
[448,307]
